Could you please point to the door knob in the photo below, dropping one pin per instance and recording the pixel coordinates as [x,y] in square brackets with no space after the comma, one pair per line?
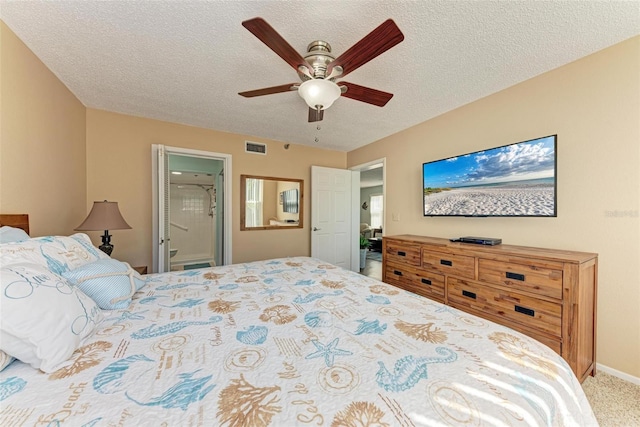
[316,229]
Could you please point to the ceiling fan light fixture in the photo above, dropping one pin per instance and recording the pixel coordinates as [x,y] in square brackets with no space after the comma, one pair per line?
[319,93]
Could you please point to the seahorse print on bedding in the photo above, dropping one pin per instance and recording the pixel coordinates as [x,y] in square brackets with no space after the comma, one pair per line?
[408,370]
[170,328]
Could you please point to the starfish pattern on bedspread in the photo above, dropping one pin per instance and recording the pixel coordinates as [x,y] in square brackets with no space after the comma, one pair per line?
[328,351]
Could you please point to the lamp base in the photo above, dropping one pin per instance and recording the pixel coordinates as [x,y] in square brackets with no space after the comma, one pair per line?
[106,245]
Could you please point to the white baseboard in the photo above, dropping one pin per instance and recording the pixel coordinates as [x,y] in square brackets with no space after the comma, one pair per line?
[616,373]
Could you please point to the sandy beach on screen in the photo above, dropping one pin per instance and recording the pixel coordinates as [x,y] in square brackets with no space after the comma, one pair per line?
[502,200]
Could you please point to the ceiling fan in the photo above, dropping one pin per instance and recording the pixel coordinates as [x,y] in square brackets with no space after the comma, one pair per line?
[319,69]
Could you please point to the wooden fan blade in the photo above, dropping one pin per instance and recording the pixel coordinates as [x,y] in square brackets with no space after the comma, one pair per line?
[378,41]
[315,115]
[275,42]
[269,90]
[366,94]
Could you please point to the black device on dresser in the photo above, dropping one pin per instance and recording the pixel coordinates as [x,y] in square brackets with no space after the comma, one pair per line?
[489,241]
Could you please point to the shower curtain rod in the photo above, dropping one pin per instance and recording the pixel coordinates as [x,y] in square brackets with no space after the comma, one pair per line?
[199,185]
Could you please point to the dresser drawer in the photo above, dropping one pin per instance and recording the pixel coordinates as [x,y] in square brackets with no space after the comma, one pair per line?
[427,284]
[402,253]
[540,280]
[448,263]
[539,315]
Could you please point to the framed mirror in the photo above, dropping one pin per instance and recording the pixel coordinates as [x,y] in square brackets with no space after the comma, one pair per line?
[270,203]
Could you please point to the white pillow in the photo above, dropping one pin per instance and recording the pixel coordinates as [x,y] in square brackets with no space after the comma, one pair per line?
[12,234]
[44,319]
[109,282]
[56,253]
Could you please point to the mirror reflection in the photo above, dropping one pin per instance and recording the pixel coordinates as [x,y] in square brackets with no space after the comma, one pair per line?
[270,203]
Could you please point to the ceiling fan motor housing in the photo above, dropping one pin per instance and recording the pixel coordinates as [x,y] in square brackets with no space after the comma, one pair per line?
[318,56]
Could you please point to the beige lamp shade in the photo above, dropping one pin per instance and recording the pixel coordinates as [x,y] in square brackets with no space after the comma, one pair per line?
[104,216]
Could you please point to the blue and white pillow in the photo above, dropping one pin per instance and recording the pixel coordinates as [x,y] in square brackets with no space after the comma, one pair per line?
[12,235]
[43,319]
[109,282]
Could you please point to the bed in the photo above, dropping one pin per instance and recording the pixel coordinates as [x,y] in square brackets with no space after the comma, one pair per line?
[290,341]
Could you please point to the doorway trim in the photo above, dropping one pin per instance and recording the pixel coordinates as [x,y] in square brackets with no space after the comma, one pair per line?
[155,199]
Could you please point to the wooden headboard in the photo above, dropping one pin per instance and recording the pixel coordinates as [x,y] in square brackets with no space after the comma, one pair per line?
[15,220]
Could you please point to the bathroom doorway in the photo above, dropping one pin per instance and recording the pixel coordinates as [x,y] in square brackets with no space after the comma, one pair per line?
[192,218]
[195,224]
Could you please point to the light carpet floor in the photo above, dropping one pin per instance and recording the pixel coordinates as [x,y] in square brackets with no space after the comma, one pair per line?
[615,402]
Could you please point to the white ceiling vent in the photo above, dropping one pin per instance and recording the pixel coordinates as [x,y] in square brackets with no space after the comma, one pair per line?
[255,147]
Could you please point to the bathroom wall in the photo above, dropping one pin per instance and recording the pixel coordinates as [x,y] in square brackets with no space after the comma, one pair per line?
[192,230]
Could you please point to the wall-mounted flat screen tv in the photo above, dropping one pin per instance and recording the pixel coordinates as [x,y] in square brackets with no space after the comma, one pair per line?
[513,180]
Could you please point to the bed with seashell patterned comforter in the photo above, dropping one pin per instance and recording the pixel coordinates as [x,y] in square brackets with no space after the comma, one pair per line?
[295,342]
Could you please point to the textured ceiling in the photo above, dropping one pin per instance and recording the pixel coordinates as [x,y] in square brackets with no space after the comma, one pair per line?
[185,61]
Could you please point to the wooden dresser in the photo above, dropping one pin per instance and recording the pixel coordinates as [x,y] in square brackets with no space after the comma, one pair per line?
[547,294]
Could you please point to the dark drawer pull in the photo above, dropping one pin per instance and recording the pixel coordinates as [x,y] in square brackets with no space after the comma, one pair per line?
[426,281]
[397,273]
[469,294]
[515,276]
[526,311]
[446,262]
[401,253]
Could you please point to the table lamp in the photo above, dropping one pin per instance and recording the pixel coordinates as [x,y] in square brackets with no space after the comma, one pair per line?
[104,216]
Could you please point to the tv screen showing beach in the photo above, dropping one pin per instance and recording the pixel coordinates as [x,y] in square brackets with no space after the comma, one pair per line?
[512,180]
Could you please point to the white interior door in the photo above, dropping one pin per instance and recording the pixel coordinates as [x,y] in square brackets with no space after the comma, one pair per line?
[332,220]
[161,236]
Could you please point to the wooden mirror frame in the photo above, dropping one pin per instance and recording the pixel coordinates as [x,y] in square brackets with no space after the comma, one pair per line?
[243,205]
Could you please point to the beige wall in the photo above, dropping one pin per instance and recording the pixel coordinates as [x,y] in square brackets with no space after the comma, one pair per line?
[593,105]
[42,142]
[119,169]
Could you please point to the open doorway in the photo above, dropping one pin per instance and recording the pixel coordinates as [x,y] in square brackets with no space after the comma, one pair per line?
[372,216]
[195,216]
[191,215]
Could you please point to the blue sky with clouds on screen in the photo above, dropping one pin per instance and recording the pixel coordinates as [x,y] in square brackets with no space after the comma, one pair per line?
[526,160]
